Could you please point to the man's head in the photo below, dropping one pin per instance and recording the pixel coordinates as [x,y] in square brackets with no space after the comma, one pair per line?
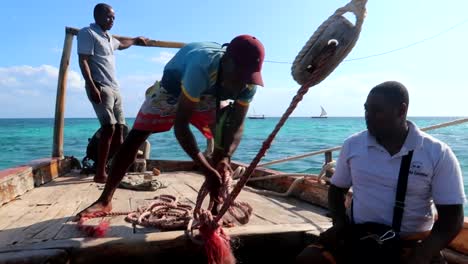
[104,16]
[386,108]
[242,64]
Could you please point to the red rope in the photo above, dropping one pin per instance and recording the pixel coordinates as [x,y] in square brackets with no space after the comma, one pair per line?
[96,231]
[216,242]
[266,145]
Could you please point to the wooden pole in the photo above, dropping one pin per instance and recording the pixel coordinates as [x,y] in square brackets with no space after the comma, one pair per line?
[149,43]
[57,148]
[328,159]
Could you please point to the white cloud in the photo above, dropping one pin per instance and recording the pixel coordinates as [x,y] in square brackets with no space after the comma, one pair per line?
[39,78]
[163,57]
[30,91]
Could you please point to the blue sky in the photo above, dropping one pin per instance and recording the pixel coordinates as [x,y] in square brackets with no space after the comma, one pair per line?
[433,71]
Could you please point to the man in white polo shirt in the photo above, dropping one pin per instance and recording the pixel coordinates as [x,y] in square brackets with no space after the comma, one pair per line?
[97,63]
[369,162]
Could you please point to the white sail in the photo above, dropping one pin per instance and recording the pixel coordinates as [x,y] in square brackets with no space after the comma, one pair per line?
[323,113]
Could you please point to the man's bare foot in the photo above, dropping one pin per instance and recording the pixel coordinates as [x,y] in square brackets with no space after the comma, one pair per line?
[95,210]
[100,178]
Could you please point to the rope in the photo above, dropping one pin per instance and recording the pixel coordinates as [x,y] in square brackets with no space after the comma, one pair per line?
[441,125]
[165,212]
[296,182]
[99,230]
[415,43]
[303,69]
[357,7]
[315,70]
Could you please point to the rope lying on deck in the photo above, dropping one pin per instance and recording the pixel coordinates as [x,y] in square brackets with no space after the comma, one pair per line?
[165,212]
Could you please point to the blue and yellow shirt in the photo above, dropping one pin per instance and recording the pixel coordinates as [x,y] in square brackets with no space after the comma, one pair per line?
[193,71]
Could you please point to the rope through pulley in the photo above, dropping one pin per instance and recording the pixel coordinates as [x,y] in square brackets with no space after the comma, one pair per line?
[327,47]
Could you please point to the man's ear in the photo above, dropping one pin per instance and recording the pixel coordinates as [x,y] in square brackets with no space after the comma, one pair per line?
[403,110]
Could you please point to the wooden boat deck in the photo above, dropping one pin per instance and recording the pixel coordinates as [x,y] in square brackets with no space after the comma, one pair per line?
[44,214]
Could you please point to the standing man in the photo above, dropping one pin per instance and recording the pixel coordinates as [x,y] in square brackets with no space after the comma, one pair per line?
[97,63]
[370,163]
[195,82]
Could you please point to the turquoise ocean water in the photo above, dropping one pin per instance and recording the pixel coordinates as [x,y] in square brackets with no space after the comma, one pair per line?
[22,140]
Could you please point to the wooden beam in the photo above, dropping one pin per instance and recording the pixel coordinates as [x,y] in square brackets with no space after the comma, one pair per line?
[55,256]
[328,159]
[157,240]
[57,148]
[149,43]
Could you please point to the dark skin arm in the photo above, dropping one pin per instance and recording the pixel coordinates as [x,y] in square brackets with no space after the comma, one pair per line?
[232,135]
[447,226]
[127,42]
[336,204]
[187,141]
[86,72]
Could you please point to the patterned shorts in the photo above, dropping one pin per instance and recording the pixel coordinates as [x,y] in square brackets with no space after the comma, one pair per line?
[157,114]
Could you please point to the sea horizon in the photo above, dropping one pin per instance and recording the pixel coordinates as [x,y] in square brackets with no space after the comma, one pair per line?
[27,139]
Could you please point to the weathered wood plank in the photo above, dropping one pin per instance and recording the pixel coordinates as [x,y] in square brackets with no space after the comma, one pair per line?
[85,198]
[166,239]
[50,206]
[264,211]
[15,182]
[269,243]
[118,226]
[50,256]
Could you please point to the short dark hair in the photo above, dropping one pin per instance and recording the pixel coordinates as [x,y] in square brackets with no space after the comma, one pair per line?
[395,92]
[99,8]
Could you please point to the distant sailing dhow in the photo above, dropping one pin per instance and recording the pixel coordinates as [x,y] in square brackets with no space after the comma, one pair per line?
[323,114]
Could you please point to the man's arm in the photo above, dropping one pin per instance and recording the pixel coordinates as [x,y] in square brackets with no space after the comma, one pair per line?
[86,72]
[448,225]
[336,204]
[187,141]
[127,42]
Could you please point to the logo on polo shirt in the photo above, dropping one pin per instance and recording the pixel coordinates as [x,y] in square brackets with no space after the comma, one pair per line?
[417,168]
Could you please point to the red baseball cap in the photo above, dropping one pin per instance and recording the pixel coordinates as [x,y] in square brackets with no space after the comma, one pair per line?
[248,54]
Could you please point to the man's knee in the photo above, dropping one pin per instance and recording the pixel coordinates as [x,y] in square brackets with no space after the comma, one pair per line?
[107,131]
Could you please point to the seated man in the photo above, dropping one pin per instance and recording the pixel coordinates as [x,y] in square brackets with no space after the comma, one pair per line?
[194,82]
[369,162]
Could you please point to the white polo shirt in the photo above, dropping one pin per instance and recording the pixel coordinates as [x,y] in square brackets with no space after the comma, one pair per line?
[435,177]
[101,46]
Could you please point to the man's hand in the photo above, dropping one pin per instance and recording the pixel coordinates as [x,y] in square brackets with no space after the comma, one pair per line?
[140,41]
[95,95]
[332,236]
[224,169]
[214,183]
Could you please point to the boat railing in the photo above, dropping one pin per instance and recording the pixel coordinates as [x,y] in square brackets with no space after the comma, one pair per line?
[328,152]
